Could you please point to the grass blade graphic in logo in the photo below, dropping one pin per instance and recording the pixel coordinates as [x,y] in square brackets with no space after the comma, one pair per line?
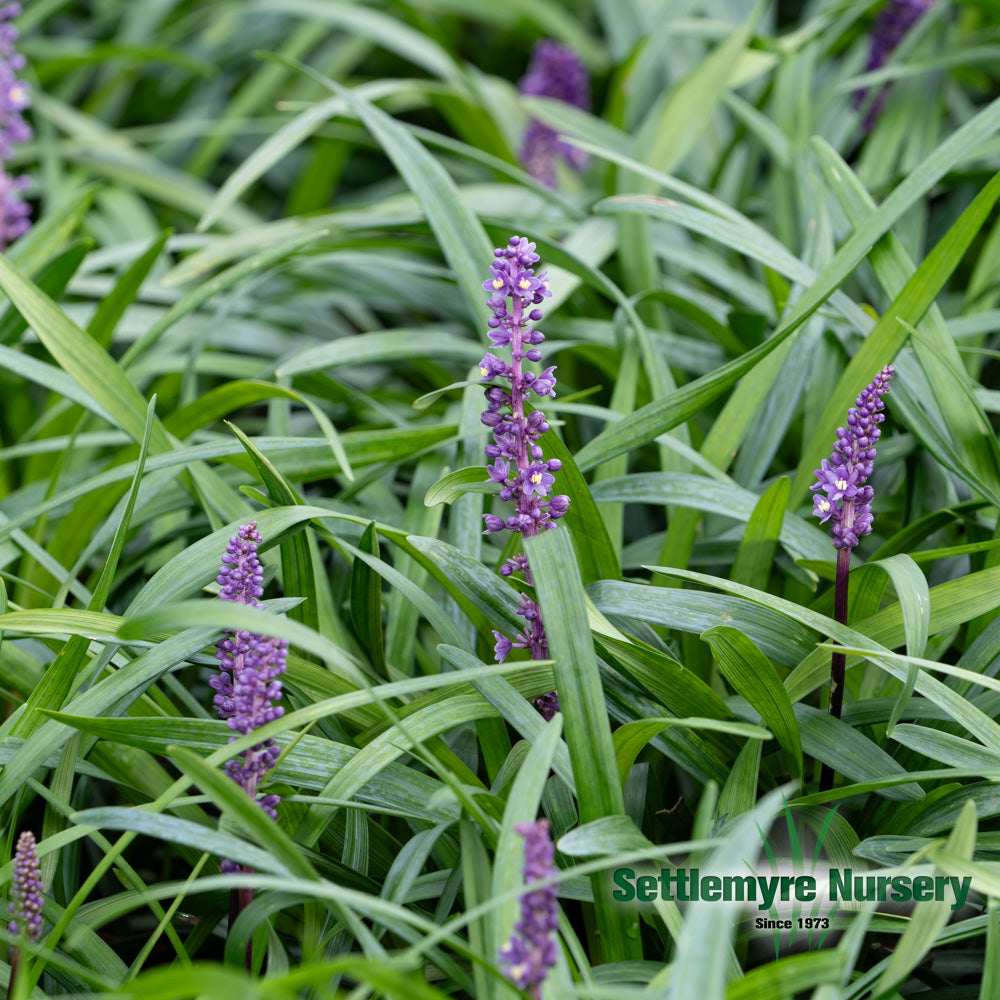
[820,838]
[816,923]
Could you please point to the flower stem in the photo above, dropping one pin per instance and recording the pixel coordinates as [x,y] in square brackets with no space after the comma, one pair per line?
[239,900]
[15,963]
[838,661]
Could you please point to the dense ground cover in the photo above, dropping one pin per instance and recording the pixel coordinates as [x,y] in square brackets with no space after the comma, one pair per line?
[253,291]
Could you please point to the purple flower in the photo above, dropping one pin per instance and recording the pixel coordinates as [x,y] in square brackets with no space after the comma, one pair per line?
[502,648]
[844,499]
[27,889]
[823,508]
[498,284]
[491,366]
[837,482]
[531,951]
[544,384]
[554,71]
[14,129]
[891,26]
[524,284]
[537,479]
[248,686]
[499,471]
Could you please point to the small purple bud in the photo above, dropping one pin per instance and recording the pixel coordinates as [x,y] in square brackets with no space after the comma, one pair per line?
[558,505]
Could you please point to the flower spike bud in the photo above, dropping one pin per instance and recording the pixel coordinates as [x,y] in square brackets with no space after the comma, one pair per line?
[26,907]
[14,130]
[893,24]
[531,951]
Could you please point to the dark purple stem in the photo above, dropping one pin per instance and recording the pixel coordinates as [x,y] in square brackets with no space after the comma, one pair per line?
[838,661]
[15,963]
[239,900]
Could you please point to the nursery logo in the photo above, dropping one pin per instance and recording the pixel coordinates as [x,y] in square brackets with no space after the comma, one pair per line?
[792,899]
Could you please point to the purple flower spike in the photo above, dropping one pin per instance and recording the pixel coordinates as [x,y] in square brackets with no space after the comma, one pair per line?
[531,951]
[893,23]
[248,686]
[14,212]
[14,129]
[525,477]
[27,889]
[554,71]
[844,499]
[516,452]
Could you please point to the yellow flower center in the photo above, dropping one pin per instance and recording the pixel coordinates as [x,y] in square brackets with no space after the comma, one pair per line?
[483,371]
[841,484]
[824,506]
[536,478]
[524,284]
[498,283]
